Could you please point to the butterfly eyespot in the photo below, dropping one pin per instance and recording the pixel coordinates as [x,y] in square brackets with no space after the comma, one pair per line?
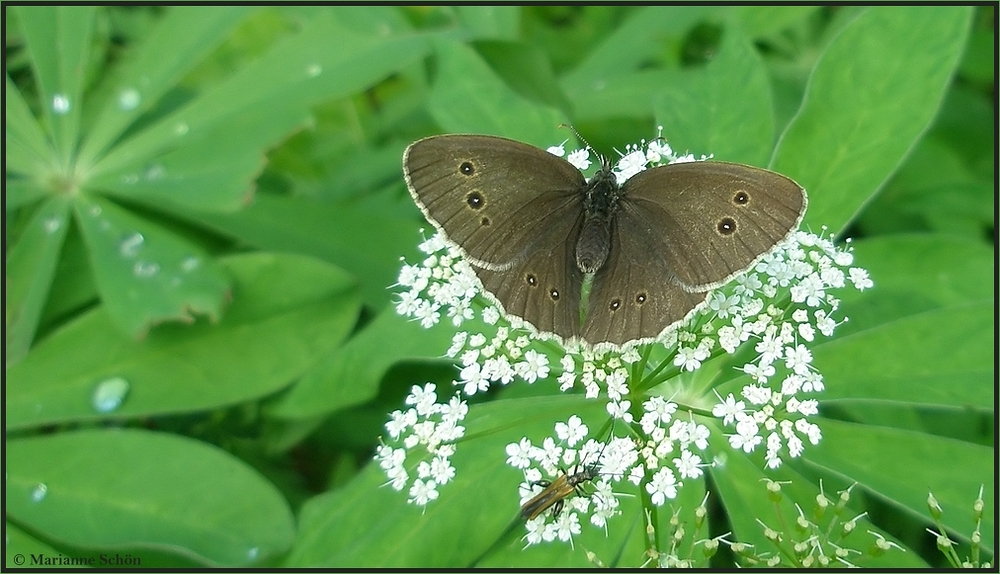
[554,293]
[640,298]
[475,200]
[531,279]
[741,198]
[485,222]
[467,168]
[727,226]
[615,305]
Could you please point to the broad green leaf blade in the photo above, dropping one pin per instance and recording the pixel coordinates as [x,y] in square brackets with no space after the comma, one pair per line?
[179,41]
[59,41]
[473,510]
[492,22]
[626,96]
[915,273]
[877,458]
[26,149]
[146,274]
[352,374]
[468,97]
[632,44]
[741,484]
[227,127]
[138,489]
[364,242]
[724,110]
[30,266]
[942,357]
[288,312]
[870,97]
[760,20]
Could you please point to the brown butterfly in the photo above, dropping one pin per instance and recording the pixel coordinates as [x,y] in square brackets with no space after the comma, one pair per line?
[532,227]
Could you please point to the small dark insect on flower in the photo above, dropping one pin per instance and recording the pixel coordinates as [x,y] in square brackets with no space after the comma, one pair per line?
[556,492]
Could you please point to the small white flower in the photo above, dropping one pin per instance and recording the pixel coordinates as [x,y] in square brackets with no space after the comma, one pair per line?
[473,380]
[746,436]
[662,486]
[423,492]
[427,313]
[535,366]
[798,359]
[860,279]
[688,465]
[580,159]
[630,164]
[572,431]
[728,409]
[689,358]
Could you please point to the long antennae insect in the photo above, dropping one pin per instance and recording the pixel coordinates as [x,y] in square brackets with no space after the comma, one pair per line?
[554,493]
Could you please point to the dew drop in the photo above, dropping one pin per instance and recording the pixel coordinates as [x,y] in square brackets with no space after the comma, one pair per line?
[129,99]
[189,264]
[181,129]
[145,269]
[109,394]
[39,492]
[52,224]
[60,104]
[130,245]
[314,70]
[253,553]
[94,211]
[154,172]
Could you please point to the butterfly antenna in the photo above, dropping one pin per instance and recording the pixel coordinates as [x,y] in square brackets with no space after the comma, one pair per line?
[604,160]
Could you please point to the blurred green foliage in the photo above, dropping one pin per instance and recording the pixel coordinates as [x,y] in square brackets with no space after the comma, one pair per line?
[205,212]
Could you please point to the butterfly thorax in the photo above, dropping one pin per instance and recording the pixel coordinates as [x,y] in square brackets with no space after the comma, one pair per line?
[600,202]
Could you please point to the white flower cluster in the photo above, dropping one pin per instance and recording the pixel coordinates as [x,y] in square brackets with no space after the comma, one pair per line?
[802,269]
[665,454]
[434,428]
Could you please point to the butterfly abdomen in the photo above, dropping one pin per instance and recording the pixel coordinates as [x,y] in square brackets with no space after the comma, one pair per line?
[600,202]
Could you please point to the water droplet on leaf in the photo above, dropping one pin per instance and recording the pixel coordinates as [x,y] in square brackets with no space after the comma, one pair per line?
[60,104]
[129,99]
[39,492]
[109,394]
[130,245]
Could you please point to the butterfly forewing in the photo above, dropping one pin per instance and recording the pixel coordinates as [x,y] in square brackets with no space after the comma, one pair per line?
[710,220]
[491,196]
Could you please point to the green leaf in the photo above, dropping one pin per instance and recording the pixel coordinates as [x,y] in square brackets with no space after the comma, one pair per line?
[364,242]
[759,21]
[632,44]
[724,109]
[205,154]
[58,39]
[525,69]
[942,357]
[288,312]
[870,97]
[494,22]
[146,274]
[468,97]
[180,40]
[877,458]
[26,149]
[30,266]
[914,273]
[138,489]
[352,374]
